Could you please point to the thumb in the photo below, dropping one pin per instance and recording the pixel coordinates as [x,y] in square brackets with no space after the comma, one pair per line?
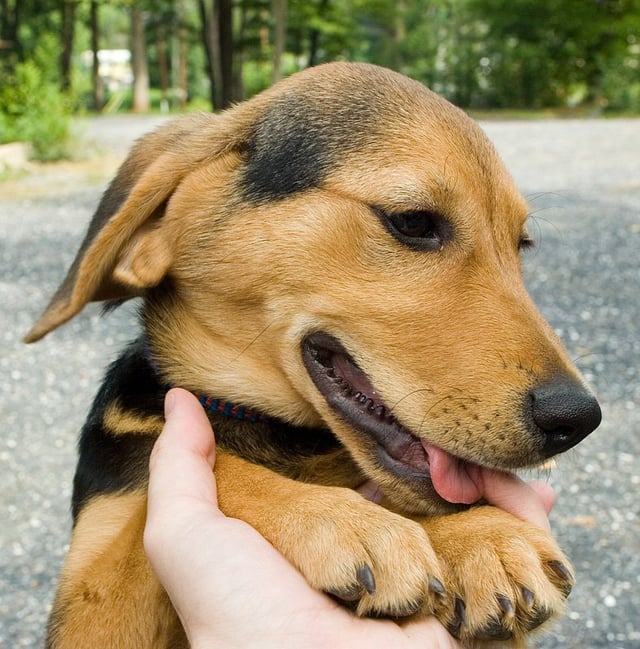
[182,457]
[187,424]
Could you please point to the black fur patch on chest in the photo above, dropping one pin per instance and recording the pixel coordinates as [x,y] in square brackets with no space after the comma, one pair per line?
[112,460]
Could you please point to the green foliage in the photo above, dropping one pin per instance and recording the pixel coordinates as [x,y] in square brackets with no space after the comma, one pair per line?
[33,110]
[536,52]
[515,54]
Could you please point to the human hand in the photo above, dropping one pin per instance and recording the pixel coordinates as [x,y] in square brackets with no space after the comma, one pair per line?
[231,588]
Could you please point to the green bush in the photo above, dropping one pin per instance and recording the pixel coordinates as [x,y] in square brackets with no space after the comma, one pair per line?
[33,110]
[621,87]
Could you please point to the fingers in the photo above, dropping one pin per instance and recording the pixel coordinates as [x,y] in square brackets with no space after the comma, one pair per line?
[181,460]
[428,632]
[546,493]
[530,502]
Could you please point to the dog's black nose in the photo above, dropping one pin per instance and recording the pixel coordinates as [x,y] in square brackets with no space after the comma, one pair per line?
[565,412]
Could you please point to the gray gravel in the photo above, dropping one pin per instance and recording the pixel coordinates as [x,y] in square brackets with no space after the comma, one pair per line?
[583,182]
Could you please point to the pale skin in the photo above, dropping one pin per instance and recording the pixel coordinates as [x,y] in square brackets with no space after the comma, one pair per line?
[232,589]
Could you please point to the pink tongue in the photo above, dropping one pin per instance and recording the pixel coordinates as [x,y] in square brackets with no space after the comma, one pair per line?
[455,480]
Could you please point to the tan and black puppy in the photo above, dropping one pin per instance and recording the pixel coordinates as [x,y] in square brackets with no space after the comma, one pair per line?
[334,268]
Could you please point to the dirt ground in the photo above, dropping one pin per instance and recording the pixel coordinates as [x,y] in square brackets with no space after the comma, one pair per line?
[582,179]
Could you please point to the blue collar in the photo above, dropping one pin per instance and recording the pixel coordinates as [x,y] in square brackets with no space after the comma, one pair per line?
[212,404]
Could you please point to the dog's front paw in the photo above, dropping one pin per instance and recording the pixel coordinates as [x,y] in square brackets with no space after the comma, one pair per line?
[379,563]
[506,577]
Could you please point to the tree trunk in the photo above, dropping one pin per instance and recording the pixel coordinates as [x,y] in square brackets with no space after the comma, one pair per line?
[238,52]
[68,15]
[279,11]
[96,82]
[224,61]
[182,67]
[217,37]
[141,101]
[206,22]
[163,67]
[314,38]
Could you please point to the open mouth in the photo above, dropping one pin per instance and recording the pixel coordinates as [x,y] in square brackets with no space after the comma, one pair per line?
[351,395]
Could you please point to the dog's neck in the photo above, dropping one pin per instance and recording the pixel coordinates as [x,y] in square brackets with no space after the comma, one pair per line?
[212,404]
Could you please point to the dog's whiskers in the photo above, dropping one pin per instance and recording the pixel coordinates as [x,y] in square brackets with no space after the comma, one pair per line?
[251,342]
[406,396]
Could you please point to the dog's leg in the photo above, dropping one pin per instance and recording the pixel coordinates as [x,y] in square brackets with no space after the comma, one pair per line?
[108,596]
[520,577]
[488,576]
[342,543]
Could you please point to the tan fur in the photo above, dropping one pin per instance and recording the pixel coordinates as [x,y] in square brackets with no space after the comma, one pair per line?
[108,596]
[314,522]
[251,278]
[121,422]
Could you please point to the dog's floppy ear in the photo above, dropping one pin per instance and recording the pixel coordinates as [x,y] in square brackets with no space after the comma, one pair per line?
[107,266]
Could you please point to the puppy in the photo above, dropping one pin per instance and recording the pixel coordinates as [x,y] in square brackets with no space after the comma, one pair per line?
[334,268]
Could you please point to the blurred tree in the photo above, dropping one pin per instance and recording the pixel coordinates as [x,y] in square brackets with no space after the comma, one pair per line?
[169,23]
[67,33]
[140,69]
[479,53]
[217,36]
[536,51]
[97,89]
[316,31]
[210,46]
[9,27]
[279,13]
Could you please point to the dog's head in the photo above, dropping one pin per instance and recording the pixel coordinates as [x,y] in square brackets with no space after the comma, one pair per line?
[343,249]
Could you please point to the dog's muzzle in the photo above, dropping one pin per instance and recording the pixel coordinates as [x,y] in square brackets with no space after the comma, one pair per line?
[562,412]
[429,470]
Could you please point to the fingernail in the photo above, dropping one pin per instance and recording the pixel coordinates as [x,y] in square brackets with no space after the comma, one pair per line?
[169,402]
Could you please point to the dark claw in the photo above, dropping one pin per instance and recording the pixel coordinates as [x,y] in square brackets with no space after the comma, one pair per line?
[497,628]
[350,606]
[454,629]
[528,596]
[366,579]
[351,593]
[564,576]
[506,606]
[537,617]
[460,610]
[435,586]
[494,631]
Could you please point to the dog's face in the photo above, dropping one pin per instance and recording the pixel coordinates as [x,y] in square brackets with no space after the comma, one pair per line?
[343,250]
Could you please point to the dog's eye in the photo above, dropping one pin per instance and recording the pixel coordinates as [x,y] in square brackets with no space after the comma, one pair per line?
[526,243]
[418,229]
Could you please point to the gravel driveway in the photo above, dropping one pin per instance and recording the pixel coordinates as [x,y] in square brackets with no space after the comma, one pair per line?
[583,182]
